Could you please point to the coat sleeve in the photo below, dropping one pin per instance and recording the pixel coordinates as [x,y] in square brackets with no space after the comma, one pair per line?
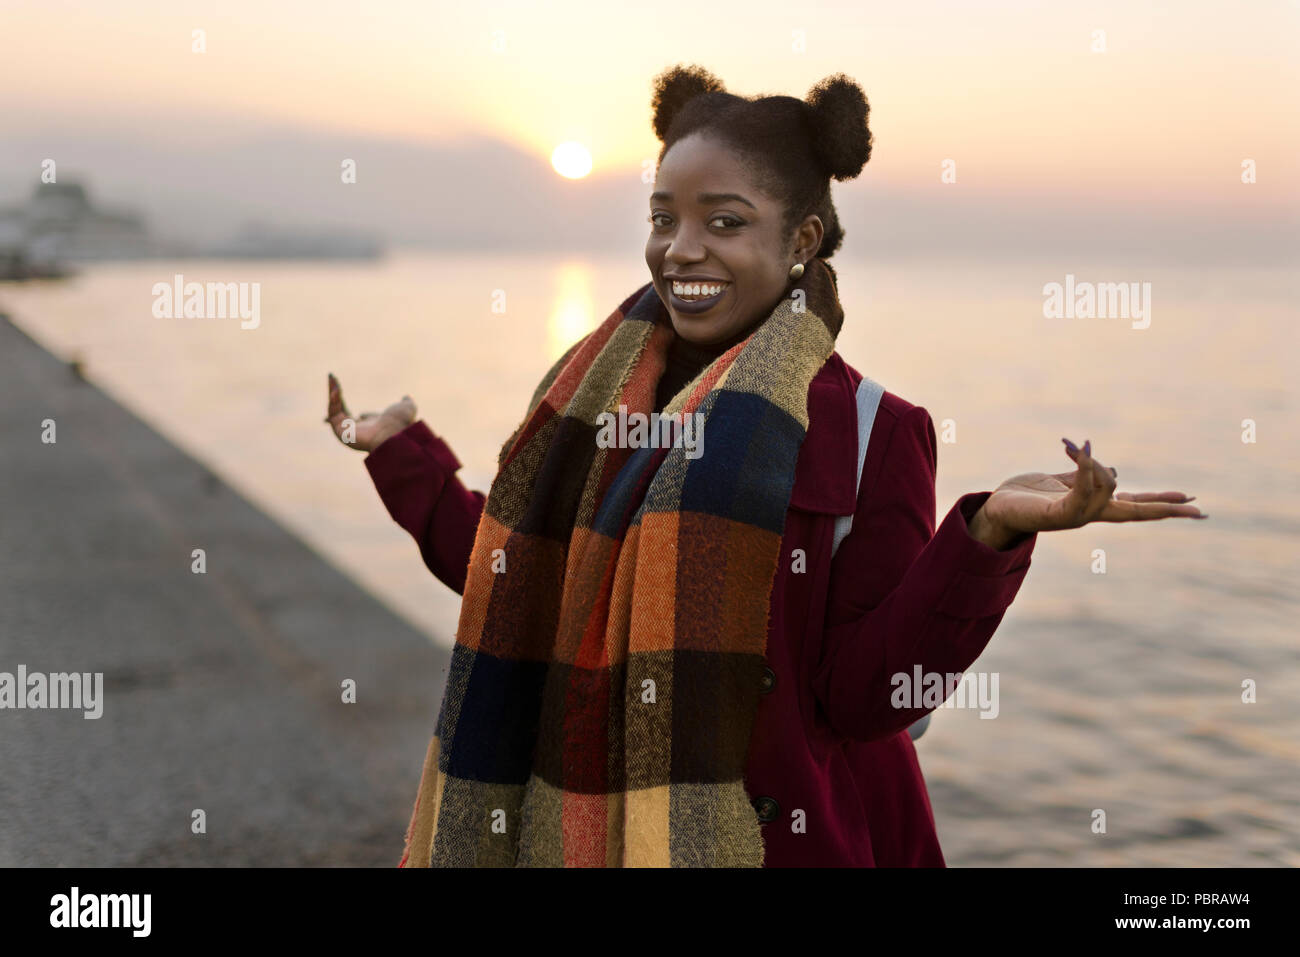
[903,595]
[414,472]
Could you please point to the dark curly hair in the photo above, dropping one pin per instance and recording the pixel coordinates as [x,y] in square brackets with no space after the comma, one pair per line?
[793,147]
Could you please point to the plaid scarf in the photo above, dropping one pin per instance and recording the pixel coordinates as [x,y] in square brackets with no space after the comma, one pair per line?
[607,664]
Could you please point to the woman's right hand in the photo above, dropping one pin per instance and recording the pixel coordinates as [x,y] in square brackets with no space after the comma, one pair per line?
[369,429]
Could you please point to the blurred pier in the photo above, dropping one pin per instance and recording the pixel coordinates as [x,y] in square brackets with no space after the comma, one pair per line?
[222,691]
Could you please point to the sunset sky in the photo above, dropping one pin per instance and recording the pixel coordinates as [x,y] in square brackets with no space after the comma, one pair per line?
[1011,91]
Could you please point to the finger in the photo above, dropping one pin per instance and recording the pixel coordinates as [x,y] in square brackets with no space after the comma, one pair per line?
[1153,497]
[337,415]
[1122,510]
[1081,483]
[336,404]
[1103,483]
[1104,476]
[1084,476]
[1073,451]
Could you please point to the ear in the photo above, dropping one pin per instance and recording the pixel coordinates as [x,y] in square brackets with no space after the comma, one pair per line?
[808,237]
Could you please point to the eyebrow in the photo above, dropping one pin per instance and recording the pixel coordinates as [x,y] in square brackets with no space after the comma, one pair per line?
[706,198]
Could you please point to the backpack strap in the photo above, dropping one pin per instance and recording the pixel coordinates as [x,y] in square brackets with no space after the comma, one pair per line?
[869,393]
[868,398]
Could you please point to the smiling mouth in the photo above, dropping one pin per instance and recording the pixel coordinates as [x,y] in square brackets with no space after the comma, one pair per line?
[692,298]
[696,291]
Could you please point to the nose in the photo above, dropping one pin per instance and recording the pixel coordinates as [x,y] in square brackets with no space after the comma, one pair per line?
[685,247]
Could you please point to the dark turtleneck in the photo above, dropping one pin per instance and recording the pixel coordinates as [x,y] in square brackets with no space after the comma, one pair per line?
[684,362]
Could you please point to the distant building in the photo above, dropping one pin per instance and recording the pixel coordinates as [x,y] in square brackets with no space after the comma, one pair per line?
[63,213]
[57,225]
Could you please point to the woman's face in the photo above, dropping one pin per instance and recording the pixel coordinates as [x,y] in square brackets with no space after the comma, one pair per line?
[711,225]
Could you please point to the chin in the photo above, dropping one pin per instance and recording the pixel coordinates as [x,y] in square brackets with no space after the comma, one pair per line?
[697,331]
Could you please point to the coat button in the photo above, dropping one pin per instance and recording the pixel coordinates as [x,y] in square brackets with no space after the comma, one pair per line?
[768,681]
[767,809]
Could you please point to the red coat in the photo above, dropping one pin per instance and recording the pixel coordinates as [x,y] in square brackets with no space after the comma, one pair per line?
[826,741]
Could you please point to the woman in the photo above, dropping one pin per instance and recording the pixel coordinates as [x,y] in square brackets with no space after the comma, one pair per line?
[658,662]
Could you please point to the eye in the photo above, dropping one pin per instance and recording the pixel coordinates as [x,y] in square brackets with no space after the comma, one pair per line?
[727,221]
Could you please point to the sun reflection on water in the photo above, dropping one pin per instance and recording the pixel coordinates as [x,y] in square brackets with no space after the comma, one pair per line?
[573,313]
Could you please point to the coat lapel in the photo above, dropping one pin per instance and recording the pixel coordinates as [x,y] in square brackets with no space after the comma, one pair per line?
[825,477]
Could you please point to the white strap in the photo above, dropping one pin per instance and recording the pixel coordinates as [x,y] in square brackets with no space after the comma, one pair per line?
[869,393]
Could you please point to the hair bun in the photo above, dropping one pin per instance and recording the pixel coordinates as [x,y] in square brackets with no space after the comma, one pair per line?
[674,88]
[838,112]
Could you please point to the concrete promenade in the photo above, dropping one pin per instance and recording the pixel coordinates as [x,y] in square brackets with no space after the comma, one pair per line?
[221,691]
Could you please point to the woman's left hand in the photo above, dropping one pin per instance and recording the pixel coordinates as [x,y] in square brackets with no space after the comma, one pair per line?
[1040,502]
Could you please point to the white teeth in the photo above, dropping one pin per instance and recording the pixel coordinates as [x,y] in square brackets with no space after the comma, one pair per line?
[697,289]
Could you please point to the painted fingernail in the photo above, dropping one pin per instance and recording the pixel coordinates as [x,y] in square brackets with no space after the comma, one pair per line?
[1189,499]
[1087,447]
[1070,445]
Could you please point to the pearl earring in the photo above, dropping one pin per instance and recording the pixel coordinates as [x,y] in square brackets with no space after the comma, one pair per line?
[796,270]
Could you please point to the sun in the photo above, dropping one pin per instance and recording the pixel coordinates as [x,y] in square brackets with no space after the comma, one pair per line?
[572,160]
